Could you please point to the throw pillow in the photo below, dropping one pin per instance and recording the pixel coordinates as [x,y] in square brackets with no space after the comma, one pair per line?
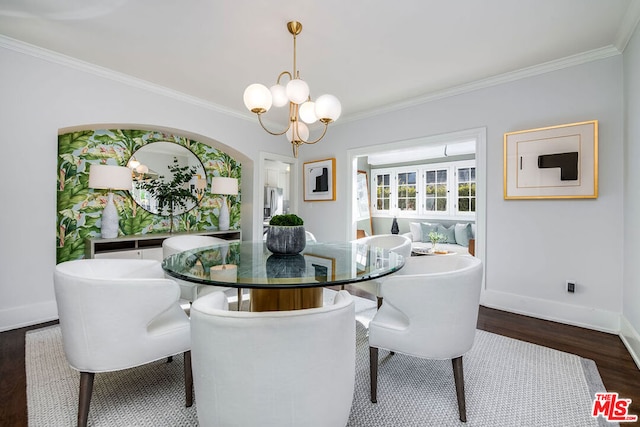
[416,231]
[463,234]
[449,233]
[427,228]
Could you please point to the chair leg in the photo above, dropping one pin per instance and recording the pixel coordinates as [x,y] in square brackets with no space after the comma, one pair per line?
[458,376]
[373,373]
[169,359]
[239,308]
[379,302]
[84,400]
[188,379]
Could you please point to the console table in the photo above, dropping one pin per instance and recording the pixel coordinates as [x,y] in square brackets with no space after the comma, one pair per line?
[144,246]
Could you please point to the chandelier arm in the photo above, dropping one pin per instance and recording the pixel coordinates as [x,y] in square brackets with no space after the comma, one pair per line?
[270,132]
[324,131]
[282,74]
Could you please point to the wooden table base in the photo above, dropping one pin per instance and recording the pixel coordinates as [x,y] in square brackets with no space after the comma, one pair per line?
[285,299]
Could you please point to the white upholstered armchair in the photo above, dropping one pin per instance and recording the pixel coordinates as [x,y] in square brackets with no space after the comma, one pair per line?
[190,291]
[431,315]
[117,314]
[276,368]
[397,243]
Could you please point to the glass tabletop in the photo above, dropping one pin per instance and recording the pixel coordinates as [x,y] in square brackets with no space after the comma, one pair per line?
[252,265]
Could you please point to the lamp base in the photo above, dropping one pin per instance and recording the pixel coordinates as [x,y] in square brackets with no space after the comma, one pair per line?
[223,219]
[109,222]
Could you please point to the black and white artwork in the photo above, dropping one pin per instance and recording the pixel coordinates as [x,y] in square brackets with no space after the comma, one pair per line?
[319,180]
[553,162]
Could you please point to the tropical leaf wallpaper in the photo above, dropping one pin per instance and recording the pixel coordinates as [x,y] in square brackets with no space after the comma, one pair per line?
[79,207]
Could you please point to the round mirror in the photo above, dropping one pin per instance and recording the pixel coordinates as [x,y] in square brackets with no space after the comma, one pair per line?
[168,179]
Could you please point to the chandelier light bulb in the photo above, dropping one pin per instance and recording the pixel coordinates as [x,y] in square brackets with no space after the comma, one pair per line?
[142,169]
[298,132]
[328,108]
[133,163]
[279,95]
[297,91]
[308,112]
[257,98]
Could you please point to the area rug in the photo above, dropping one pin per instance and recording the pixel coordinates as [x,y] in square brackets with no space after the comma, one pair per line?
[508,383]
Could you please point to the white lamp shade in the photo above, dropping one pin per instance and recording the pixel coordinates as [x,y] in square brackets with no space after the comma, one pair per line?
[279,95]
[257,98]
[109,177]
[308,112]
[328,108]
[224,186]
[298,132]
[297,91]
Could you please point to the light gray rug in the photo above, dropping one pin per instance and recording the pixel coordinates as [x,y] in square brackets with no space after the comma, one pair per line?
[508,383]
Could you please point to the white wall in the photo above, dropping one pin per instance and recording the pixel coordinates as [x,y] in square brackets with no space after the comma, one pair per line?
[532,247]
[631,278]
[40,96]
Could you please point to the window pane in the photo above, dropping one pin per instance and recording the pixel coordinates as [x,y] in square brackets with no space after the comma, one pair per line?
[473,189]
[473,204]
[473,174]
[430,204]
[411,179]
[431,177]
[442,175]
[442,190]
[402,204]
[463,205]
[430,190]
[463,189]
[463,175]
[442,205]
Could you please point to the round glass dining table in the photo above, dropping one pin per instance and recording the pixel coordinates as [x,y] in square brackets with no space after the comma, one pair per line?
[280,282]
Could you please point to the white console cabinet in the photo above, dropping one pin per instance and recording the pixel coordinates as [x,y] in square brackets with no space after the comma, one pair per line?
[143,246]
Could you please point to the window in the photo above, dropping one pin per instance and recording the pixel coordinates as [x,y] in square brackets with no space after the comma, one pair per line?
[433,190]
[467,189]
[436,190]
[407,194]
[383,192]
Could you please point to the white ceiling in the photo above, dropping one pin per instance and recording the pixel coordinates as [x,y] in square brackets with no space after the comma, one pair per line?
[372,54]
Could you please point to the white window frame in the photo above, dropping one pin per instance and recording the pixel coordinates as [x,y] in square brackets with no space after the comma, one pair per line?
[421,170]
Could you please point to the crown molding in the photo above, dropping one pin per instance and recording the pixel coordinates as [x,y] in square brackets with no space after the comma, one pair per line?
[569,61]
[628,25]
[68,61]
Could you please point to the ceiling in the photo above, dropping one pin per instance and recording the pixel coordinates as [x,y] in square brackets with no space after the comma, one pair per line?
[372,54]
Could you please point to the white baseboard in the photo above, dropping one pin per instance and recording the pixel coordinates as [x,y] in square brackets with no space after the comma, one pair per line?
[584,317]
[631,339]
[27,315]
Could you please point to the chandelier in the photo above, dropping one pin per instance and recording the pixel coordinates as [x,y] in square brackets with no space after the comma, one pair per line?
[326,109]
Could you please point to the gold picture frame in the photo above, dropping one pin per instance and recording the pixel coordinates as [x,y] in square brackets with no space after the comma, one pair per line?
[319,180]
[556,162]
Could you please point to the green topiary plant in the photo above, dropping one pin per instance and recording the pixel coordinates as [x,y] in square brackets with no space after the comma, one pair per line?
[286,220]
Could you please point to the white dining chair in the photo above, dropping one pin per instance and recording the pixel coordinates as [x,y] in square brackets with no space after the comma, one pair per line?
[430,313]
[118,314]
[275,368]
[396,243]
[190,291]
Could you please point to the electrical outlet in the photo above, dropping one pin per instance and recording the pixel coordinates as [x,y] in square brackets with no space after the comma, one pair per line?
[571,286]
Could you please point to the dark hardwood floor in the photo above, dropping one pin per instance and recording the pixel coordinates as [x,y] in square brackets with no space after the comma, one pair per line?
[617,369]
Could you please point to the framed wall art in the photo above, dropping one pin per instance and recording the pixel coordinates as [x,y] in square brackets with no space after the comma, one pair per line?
[319,180]
[557,162]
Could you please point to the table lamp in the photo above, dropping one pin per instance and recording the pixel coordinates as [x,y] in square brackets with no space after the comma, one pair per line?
[225,187]
[111,178]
